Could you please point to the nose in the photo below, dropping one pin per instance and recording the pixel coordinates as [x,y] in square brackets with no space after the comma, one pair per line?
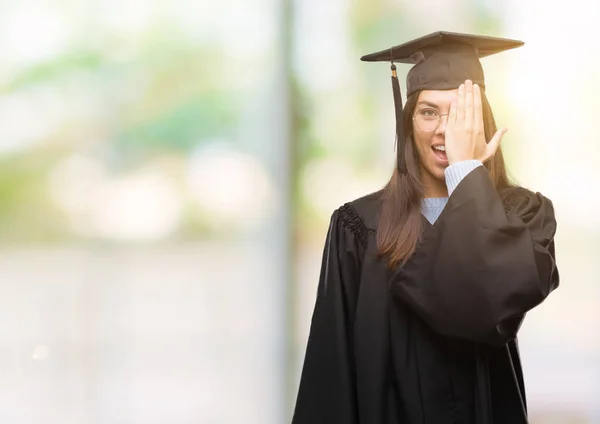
[441,128]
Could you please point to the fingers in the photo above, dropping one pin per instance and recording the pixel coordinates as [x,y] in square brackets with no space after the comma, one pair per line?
[477,109]
[460,106]
[493,145]
[468,105]
[452,114]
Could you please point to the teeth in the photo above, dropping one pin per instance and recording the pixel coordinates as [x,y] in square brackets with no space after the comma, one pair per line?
[440,148]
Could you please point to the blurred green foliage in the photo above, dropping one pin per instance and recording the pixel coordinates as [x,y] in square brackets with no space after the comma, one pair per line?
[161,94]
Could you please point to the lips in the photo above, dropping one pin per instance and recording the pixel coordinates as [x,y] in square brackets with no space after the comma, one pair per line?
[439,152]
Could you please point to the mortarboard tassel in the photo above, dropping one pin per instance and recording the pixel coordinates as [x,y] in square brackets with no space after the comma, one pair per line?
[399,121]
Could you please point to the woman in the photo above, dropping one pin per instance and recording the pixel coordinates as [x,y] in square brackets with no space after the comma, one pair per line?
[425,284]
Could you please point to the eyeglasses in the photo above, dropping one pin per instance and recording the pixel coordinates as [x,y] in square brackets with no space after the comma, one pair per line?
[428,119]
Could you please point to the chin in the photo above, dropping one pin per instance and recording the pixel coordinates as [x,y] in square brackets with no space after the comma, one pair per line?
[437,172]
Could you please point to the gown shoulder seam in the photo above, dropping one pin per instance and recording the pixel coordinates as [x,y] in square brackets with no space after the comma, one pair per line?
[512,199]
[352,221]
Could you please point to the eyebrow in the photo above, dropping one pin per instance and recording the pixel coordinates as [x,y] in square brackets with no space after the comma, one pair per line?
[425,102]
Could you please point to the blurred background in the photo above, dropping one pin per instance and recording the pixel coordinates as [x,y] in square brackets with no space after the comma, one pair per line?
[167,174]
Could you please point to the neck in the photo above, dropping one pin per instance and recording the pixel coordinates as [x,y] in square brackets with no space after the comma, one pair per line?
[433,187]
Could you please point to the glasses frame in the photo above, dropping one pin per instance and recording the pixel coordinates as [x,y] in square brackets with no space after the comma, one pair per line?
[439,120]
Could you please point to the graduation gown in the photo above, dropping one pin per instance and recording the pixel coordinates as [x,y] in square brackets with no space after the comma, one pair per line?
[432,341]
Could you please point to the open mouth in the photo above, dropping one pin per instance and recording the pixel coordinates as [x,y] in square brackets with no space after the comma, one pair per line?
[440,153]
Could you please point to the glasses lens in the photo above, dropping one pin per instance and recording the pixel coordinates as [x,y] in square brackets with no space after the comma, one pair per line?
[427,119]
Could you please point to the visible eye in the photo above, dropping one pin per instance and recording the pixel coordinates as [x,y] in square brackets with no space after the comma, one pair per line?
[428,113]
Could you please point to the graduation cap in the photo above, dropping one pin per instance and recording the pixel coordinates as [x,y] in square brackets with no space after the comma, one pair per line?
[442,61]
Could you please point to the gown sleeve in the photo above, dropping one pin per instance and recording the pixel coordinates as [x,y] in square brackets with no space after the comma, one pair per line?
[488,260]
[327,391]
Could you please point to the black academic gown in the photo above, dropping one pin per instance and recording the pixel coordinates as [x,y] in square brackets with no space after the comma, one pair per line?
[433,341]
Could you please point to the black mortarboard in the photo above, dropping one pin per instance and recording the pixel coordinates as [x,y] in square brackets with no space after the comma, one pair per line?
[442,61]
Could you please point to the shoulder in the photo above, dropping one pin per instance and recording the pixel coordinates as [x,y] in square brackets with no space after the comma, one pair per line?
[360,215]
[516,196]
[526,203]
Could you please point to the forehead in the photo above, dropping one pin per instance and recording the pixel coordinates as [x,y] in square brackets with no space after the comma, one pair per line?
[438,97]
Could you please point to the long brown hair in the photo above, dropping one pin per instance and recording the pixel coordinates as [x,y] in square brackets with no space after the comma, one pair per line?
[400,221]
